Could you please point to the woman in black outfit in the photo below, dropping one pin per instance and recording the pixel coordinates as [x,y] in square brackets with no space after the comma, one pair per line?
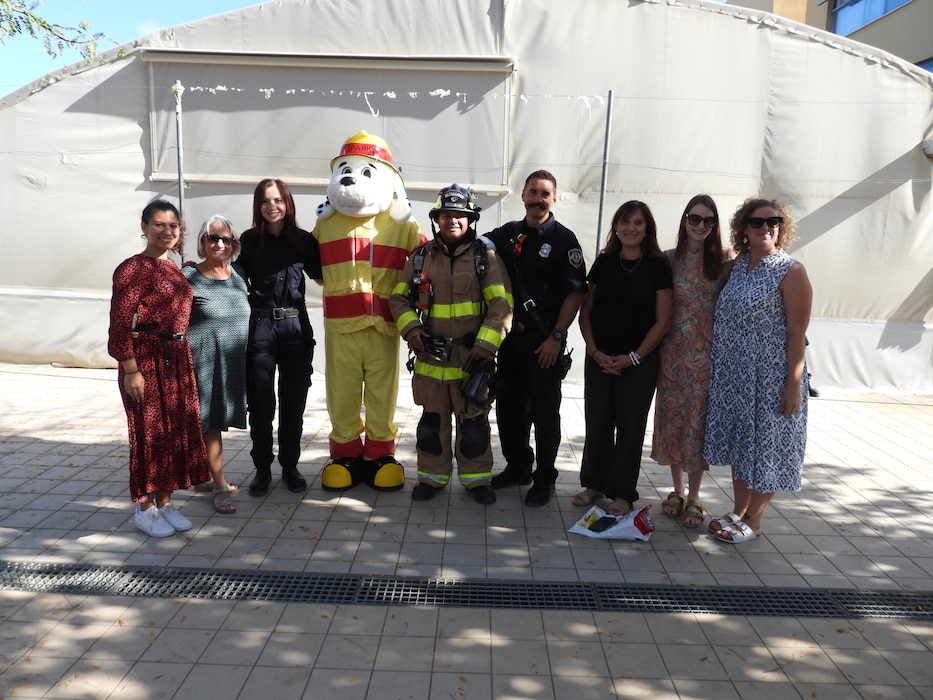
[274,257]
[626,312]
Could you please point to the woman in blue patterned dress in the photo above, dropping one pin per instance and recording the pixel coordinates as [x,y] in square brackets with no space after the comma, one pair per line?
[218,333]
[757,418]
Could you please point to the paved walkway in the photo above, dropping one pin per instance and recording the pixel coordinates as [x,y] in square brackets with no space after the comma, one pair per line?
[861,523]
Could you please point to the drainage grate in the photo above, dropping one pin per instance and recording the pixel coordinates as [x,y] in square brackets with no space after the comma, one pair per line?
[475,593]
[355,589]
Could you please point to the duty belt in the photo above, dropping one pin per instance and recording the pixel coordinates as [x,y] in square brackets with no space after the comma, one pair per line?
[165,336]
[278,313]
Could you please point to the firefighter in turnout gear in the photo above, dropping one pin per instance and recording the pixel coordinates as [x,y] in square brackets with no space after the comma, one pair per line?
[453,307]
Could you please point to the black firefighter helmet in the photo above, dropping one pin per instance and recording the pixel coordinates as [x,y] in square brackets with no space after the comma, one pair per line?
[455,199]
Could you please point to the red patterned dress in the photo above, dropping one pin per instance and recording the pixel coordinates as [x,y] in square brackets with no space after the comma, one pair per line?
[683,379]
[166,444]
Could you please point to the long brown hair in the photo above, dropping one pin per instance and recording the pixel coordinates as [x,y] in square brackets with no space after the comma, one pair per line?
[289,223]
[713,257]
[649,246]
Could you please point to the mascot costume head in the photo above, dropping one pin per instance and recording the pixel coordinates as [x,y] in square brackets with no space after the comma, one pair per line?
[365,181]
[366,233]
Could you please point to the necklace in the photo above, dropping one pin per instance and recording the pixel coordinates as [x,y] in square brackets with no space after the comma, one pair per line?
[631,269]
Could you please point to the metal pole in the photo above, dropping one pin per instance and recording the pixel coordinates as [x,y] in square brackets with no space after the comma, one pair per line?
[602,182]
[178,90]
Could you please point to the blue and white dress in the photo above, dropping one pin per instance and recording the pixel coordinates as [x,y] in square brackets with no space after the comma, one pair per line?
[744,425]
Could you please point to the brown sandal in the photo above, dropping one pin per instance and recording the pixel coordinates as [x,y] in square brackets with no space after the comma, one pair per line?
[673,505]
[586,497]
[694,514]
[619,507]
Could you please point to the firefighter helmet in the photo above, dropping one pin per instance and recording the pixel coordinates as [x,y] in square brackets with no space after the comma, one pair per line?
[366,144]
[455,199]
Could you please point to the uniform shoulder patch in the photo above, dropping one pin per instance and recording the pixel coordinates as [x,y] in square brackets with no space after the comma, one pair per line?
[575,256]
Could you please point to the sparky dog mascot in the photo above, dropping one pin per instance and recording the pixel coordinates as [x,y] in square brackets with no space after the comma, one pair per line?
[453,307]
[366,235]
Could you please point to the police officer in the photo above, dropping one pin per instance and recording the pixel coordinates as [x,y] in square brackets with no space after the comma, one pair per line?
[453,308]
[545,264]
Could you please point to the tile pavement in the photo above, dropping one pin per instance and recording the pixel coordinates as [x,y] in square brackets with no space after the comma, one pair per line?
[862,521]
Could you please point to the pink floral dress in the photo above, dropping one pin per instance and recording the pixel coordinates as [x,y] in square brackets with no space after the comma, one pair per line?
[683,379]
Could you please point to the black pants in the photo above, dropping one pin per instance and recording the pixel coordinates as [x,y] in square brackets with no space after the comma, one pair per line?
[286,344]
[528,395]
[616,415]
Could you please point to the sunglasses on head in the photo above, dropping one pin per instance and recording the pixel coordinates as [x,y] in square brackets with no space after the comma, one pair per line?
[214,238]
[771,221]
[696,220]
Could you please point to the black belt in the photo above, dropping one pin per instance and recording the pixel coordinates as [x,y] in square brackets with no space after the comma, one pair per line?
[278,314]
[165,336]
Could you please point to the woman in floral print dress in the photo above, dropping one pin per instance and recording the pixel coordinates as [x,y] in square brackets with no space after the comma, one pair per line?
[148,318]
[700,267]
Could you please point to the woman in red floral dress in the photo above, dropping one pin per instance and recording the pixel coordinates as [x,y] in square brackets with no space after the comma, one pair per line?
[148,318]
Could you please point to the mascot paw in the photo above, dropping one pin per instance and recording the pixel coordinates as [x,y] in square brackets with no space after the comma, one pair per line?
[342,474]
[400,210]
[385,474]
[324,210]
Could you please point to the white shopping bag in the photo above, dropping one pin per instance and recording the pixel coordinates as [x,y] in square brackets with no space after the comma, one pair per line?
[637,525]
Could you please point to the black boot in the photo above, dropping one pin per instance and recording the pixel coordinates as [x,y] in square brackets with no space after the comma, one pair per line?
[295,481]
[259,486]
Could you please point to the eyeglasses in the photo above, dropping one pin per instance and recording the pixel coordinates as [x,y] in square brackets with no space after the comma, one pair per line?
[771,221]
[214,238]
[696,220]
[517,244]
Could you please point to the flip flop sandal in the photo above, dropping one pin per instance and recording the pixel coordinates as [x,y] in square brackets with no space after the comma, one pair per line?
[619,507]
[586,497]
[723,521]
[694,514]
[736,533]
[673,505]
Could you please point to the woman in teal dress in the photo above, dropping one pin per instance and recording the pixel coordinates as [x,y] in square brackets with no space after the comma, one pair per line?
[218,333]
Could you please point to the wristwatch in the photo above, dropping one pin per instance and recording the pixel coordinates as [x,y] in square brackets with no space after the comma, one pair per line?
[558,336]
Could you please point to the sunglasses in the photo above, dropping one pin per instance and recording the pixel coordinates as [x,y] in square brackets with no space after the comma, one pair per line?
[214,238]
[771,221]
[696,220]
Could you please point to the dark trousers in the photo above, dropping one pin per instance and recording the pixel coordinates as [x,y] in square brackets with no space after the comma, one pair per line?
[616,415]
[286,345]
[527,396]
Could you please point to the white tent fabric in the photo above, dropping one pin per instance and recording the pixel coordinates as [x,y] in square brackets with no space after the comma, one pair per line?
[705,98]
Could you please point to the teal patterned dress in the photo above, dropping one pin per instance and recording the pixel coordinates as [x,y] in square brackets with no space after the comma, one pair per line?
[218,333]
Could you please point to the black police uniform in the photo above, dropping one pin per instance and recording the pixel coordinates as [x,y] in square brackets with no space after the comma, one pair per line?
[280,335]
[552,267]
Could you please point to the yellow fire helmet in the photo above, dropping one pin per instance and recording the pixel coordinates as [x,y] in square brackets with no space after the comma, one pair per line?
[365,144]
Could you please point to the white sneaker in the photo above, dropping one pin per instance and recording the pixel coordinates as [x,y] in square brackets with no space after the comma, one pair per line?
[151,522]
[173,517]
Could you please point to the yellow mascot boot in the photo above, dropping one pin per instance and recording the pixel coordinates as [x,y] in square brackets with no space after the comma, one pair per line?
[342,474]
[385,474]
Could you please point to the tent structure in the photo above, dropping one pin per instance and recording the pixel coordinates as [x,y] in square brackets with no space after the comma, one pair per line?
[690,96]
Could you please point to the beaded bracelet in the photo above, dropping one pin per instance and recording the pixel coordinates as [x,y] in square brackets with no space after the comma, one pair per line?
[635,358]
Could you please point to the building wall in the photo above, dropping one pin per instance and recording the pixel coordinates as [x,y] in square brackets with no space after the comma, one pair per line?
[907,32]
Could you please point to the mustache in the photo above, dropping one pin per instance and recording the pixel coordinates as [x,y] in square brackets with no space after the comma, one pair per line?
[536,205]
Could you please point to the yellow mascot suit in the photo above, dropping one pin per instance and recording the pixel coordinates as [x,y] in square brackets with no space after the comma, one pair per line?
[366,235]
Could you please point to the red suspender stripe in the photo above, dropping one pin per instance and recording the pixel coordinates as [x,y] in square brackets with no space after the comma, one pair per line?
[356,305]
[344,250]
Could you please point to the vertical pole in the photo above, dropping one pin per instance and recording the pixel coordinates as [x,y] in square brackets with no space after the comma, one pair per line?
[177,90]
[605,175]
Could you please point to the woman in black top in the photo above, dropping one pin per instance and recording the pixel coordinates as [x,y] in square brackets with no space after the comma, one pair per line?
[274,257]
[626,312]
